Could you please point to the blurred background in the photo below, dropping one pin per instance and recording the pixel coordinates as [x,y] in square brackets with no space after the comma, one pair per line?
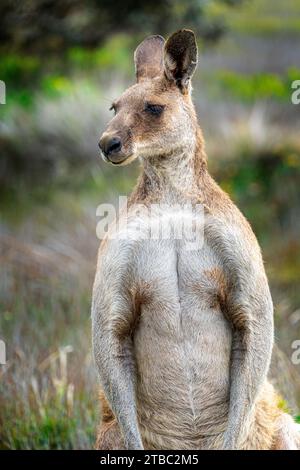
[63,64]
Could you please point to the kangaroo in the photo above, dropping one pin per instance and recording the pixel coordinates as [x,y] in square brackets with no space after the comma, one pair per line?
[182,336]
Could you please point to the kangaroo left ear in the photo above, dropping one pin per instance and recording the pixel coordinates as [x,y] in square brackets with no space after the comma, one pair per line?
[180,58]
[148,58]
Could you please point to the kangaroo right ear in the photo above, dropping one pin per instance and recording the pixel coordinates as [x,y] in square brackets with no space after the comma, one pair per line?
[148,58]
[181,57]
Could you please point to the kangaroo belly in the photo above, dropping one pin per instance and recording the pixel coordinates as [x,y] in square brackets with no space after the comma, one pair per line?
[182,348]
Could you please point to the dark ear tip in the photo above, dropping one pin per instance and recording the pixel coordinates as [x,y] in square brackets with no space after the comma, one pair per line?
[187,32]
[183,34]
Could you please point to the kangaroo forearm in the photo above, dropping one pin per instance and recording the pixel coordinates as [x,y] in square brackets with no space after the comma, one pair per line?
[249,365]
[117,375]
[119,390]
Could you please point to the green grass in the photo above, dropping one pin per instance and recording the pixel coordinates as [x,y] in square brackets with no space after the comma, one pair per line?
[50,424]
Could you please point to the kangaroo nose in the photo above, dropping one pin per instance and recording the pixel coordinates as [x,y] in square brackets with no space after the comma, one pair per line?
[110,145]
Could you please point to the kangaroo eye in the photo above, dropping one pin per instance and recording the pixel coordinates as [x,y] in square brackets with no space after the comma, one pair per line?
[155,109]
[113,108]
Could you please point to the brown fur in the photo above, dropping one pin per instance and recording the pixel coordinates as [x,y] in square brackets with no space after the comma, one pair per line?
[213,288]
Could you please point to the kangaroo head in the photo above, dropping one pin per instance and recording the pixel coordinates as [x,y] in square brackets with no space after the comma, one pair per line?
[155,117]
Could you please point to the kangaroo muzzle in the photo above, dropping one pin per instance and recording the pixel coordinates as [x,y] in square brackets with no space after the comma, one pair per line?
[111,148]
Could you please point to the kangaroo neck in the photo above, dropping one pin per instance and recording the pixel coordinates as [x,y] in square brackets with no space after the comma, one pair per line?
[173,178]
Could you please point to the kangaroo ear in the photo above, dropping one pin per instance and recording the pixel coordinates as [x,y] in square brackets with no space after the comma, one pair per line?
[181,57]
[148,58]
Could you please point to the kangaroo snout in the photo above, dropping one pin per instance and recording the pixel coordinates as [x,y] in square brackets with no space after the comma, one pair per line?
[116,149]
[111,147]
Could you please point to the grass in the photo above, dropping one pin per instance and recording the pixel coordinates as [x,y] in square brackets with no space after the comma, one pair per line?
[48,405]
[51,412]
[48,392]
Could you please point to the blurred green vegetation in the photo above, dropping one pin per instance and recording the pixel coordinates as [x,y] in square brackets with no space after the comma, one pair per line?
[250,88]
[259,17]
[52,179]
[51,27]
[27,77]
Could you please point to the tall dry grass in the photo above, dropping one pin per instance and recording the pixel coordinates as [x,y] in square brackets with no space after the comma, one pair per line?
[48,392]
